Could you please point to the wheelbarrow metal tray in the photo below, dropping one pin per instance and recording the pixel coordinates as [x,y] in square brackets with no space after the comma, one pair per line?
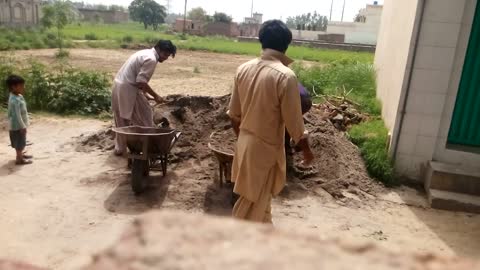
[149,141]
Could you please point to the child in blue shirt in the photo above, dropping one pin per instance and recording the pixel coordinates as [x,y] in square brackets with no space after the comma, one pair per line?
[18,118]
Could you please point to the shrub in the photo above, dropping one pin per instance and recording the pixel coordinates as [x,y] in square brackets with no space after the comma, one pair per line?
[7,67]
[69,91]
[62,54]
[127,39]
[91,36]
[80,92]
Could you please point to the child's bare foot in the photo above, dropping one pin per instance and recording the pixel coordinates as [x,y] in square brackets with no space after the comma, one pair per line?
[23,162]
[25,156]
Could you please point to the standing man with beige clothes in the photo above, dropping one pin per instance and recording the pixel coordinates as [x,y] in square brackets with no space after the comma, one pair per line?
[264,101]
[130,90]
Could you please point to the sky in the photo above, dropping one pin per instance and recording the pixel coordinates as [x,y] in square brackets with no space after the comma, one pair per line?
[272,9]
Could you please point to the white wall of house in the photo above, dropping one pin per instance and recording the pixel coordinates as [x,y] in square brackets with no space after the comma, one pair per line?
[392,54]
[437,69]
[304,34]
[360,32]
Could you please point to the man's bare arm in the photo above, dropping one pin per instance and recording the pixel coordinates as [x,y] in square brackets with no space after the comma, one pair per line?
[235,126]
[147,89]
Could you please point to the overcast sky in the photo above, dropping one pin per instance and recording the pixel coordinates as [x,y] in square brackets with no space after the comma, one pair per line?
[272,9]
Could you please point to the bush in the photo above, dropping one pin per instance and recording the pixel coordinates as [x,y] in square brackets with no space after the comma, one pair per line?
[69,91]
[371,137]
[80,92]
[127,39]
[91,36]
[62,54]
[7,67]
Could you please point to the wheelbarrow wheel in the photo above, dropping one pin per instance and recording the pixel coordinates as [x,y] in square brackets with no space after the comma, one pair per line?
[140,173]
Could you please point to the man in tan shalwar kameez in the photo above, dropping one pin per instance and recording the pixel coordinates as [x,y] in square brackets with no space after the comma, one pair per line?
[264,101]
[130,105]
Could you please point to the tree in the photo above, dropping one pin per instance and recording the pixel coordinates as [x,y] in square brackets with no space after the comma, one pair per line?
[148,12]
[198,14]
[57,15]
[221,17]
[308,21]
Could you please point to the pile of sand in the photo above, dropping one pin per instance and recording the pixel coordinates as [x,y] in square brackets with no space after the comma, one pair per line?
[338,166]
[169,240]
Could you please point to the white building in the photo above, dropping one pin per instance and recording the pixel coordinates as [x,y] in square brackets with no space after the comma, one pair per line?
[428,77]
[364,31]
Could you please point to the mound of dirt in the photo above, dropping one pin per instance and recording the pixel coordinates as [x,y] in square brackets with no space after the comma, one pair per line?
[338,167]
[206,242]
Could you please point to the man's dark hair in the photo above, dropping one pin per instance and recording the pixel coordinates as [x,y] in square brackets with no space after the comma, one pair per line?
[166,46]
[14,80]
[275,35]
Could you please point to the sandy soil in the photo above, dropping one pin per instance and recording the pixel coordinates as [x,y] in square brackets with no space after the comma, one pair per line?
[189,73]
[71,203]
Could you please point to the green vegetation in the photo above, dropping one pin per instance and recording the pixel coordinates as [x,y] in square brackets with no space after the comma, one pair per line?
[355,78]
[120,35]
[371,137]
[69,91]
[56,16]
[355,81]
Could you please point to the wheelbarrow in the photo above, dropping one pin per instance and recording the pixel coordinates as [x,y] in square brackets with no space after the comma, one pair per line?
[225,161]
[148,147]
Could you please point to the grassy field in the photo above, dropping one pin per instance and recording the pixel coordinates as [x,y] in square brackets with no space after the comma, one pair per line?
[125,35]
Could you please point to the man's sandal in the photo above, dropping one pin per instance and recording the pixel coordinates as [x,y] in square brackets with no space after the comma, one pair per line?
[23,162]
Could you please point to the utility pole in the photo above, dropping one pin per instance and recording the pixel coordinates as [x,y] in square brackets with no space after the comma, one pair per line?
[169,6]
[331,11]
[251,13]
[185,18]
[343,10]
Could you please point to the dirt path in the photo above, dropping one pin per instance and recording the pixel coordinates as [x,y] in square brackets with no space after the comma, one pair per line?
[69,204]
[189,73]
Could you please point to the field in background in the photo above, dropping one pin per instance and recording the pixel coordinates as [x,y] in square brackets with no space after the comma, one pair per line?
[131,35]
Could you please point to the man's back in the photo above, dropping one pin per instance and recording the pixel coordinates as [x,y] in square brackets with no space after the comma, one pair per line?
[265,98]
[143,61]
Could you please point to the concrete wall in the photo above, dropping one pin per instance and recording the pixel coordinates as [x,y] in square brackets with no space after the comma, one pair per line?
[106,16]
[20,12]
[392,55]
[304,34]
[360,32]
[437,69]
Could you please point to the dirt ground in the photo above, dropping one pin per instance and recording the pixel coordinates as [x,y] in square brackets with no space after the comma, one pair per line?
[76,197]
[189,73]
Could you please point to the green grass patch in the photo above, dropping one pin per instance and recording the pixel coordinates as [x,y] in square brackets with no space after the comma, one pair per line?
[115,36]
[371,137]
[355,78]
[135,33]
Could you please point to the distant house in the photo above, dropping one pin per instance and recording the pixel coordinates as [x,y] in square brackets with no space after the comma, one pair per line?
[191,27]
[428,63]
[20,12]
[251,25]
[105,16]
[363,31]
[222,29]
[210,29]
